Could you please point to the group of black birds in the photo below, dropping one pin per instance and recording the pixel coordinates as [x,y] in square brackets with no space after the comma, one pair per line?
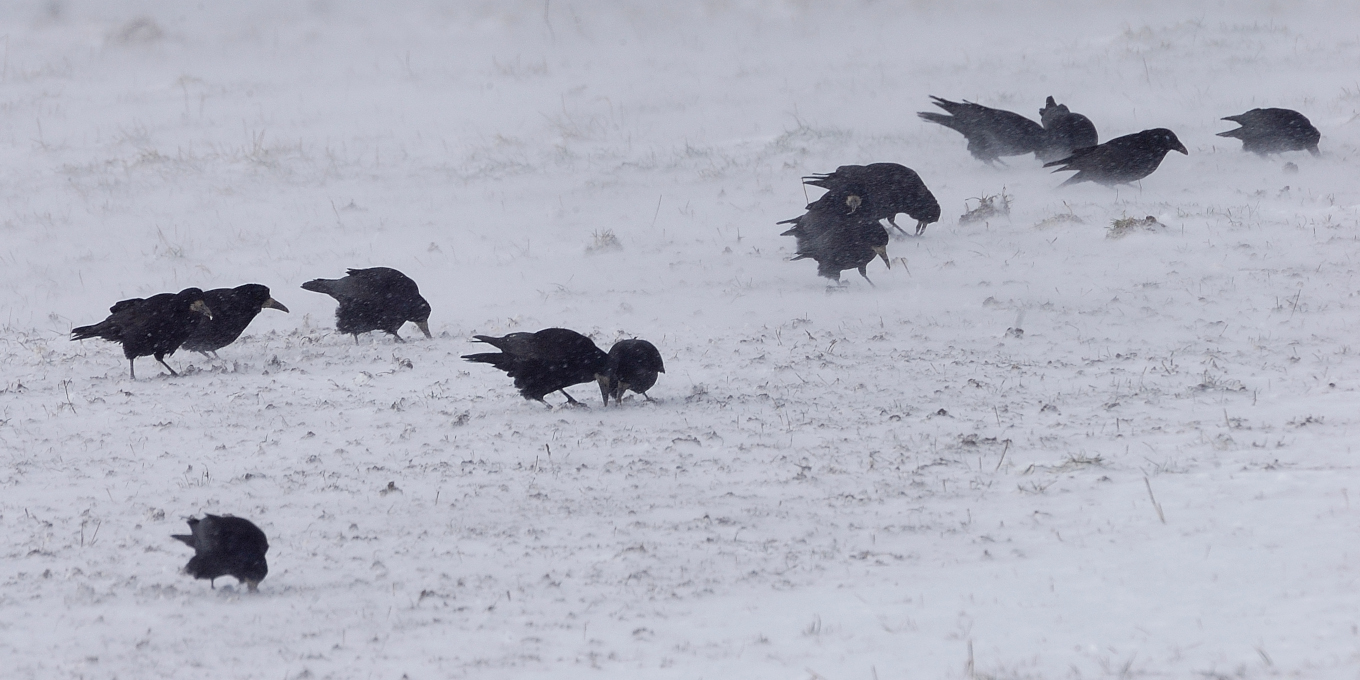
[843,230]
[374,299]
[377,299]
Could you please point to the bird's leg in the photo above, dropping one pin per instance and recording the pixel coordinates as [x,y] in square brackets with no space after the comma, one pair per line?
[570,400]
[865,274]
[132,368]
[644,396]
[167,367]
[920,227]
[893,221]
[603,381]
[398,337]
[356,339]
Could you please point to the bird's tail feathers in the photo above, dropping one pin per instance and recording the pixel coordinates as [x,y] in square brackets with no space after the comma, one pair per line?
[493,358]
[940,118]
[94,331]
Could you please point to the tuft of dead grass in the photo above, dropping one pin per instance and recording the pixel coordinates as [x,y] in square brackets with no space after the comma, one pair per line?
[1127,225]
[603,242]
[988,207]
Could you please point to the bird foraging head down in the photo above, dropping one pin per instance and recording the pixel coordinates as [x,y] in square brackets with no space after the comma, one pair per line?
[878,191]
[1267,131]
[375,299]
[226,546]
[549,360]
[839,242]
[633,365]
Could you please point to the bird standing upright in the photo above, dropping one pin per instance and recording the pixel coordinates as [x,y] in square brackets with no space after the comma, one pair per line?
[375,299]
[1120,160]
[233,310]
[1064,132]
[154,326]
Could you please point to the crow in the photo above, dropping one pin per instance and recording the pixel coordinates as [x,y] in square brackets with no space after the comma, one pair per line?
[1064,132]
[1267,131]
[879,191]
[1120,160]
[154,326]
[633,365]
[376,299]
[226,546]
[547,361]
[991,133]
[233,310]
[838,242]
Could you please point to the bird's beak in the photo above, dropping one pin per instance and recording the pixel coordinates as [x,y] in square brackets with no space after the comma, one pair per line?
[275,304]
[424,327]
[854,202]
[1181,148]
[202,308]
[882,252]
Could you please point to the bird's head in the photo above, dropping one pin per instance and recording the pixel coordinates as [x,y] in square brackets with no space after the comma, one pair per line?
[1169,141]
[421,317]
[1051,110]
[202,308]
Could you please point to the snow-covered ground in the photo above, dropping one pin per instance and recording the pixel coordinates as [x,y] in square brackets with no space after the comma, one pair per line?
[1152,480]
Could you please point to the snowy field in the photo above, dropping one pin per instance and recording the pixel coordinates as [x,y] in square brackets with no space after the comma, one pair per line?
[1153,479]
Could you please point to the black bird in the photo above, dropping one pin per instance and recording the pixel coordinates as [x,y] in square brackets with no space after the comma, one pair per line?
[233,310]
[991,133]
[376,299]
[226,546]
[1266,131]
[838,242]
[1064,132]
[878,191]
[154,326]
[546,361]
[1122,159]
[633,365]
